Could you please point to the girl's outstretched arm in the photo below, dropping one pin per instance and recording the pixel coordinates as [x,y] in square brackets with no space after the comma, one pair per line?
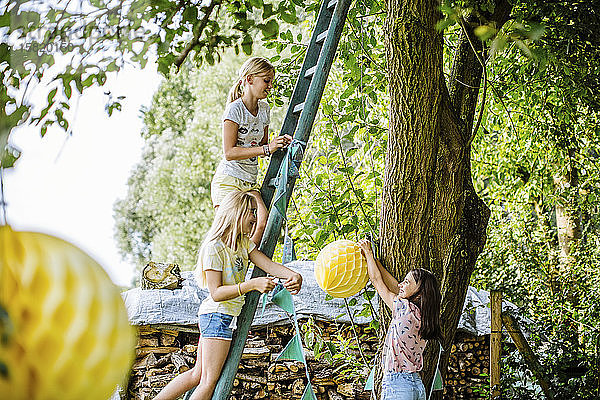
[293,280]
[375,274]
[390,281]
[220,292]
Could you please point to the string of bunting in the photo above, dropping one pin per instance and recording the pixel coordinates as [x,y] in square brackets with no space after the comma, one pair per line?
[283,299]
[293,350]
[288,170]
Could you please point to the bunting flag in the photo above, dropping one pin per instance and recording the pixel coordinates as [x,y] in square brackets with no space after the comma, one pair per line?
[284,300]
[293,350]
[438,384]
[370,380]
[309,393]
[287,170]
[288,254]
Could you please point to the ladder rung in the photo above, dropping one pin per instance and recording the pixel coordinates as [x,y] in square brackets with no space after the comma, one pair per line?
[310,72]
[298,108]
[322,36]
[332,3]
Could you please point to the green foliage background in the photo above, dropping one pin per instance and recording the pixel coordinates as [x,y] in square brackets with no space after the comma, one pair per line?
[539,131]
[540,119]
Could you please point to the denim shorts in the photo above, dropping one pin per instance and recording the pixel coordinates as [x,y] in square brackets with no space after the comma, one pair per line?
[216,326]
[402,386]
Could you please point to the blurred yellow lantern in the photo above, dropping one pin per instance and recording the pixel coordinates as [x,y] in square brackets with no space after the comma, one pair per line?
[340,269]
[66,334]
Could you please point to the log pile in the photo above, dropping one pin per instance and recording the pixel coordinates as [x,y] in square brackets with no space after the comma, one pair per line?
[468,368]
[165,351]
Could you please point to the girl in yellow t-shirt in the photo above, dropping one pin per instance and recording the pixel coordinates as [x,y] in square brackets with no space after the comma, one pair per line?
[222,265]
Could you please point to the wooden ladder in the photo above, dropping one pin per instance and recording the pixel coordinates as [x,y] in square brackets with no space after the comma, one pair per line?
[298,123]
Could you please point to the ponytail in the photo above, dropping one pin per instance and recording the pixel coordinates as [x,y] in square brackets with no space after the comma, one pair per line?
[236,91]
[428,299]
[253,66]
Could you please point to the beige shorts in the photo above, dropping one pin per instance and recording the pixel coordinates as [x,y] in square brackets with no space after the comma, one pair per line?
[222,185]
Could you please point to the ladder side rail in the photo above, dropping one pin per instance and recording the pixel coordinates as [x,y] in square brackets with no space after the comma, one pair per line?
[298,96]
[317,86]
[315,92]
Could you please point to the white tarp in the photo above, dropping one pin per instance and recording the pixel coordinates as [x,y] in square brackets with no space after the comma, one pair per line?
[180,306]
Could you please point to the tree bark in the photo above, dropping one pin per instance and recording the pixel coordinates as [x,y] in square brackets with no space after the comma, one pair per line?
[414,56]
[431,215]
[567,213]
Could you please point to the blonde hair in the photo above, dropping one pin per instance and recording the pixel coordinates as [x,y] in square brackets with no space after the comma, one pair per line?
[252,66]
[229,218]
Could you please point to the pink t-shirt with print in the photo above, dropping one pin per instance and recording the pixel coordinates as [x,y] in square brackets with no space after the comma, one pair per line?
[403,348]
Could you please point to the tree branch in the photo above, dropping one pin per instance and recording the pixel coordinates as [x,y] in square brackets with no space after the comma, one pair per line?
[485,82]
[196,40]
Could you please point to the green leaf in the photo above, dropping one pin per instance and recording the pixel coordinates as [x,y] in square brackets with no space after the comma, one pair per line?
[267,11]
[9,155]
[485,32]
[288,17]
[257,3]
[5,19]
[247,44]
[51,96]
[190,14]
[211,60]
[270,29]
[67,88]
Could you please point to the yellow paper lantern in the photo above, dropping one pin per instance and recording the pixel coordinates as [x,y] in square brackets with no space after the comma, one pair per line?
[340,269]
[68,336]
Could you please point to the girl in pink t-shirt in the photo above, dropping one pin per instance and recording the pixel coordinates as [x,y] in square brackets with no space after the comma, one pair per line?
[415,305]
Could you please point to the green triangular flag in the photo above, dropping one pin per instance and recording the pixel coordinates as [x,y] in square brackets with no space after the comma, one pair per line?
[370,380]
[264,303]
[438,384]
[308,394]
[283,299]
[293,350]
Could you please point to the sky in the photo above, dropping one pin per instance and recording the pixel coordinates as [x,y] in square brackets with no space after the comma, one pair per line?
[66,185]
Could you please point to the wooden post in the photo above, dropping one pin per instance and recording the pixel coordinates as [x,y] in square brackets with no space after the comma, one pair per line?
[511,325]
[495,343]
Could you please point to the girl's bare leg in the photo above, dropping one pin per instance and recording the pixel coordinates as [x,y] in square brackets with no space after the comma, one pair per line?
[261,218]
[214,354]
[185,381]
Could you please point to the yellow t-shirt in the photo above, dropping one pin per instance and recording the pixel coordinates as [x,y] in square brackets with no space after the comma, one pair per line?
[216,255]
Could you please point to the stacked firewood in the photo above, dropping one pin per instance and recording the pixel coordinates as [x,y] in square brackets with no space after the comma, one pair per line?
[165,351]
[468,368]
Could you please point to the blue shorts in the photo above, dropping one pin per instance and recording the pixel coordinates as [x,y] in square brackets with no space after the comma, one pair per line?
[402,386]
[215,326]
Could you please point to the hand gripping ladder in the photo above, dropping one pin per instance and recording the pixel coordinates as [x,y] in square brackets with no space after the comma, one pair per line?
[283,169]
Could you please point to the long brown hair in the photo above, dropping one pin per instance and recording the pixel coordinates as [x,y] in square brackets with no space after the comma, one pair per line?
[428,298]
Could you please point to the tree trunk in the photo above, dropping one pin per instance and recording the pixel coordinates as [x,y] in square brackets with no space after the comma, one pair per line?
[567,211]
[414,59]
[431,215]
